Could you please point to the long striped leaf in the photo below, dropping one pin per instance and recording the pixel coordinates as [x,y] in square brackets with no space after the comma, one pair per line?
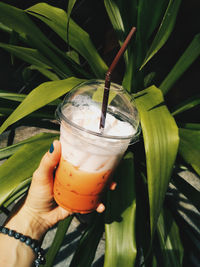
[121,218]
[165,29]
[47,73]
[189,56]
[189,147]
[86,250]
[20,97]
[32,56]
[150,14]
[12,96]
[27,54]
[19,21]
[21,166]
[170,240]
[161,140]
[10,150]
[188,104]
[113,10]
[20,190]
[190,126]
[57,241]
[70,6]
[123,16]
[79,40]
[39,97]
[189,190]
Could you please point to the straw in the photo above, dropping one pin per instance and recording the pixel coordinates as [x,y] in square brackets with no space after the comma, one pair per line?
[108,78]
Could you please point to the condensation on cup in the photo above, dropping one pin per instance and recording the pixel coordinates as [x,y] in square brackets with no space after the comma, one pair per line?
[89,157]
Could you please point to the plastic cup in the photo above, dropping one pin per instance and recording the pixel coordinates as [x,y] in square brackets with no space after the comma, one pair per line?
[88,157]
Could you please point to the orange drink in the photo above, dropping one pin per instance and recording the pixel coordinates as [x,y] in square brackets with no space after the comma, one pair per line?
[70,191]
[89,157]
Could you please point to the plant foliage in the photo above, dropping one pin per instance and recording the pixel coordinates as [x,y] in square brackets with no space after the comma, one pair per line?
[133,238]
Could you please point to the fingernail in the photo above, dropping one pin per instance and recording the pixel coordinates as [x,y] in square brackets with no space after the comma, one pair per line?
[51,148]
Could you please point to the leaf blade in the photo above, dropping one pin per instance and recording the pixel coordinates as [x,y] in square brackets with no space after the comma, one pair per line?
[170,241]
[10,150]
[79,40]
[165,29]
[40,96]
[27,54]
[186,105]
[120,218]
[57,241]
[189,147]
[160,134]
[188,57]
[86,250]
[13,172]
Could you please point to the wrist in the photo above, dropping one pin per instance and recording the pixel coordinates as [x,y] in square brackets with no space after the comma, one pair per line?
[25,222]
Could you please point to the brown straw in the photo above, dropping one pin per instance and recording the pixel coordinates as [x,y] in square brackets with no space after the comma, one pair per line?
[108,78]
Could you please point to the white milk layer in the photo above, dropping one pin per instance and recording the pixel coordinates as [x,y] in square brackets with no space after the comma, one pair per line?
[89,152]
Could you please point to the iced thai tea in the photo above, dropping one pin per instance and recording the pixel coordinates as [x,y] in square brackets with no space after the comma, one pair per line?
[89,157]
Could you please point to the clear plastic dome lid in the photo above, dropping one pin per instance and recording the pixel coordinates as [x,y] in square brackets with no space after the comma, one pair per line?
[81,108]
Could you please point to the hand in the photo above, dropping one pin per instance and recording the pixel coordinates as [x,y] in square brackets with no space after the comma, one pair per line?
[39,208]
[40,202]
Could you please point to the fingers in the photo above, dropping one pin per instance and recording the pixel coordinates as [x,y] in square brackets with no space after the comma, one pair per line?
[100,208]
[113,185]
[49,162]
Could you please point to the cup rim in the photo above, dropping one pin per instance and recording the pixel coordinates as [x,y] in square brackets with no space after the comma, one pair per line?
[61,117]
[133,137]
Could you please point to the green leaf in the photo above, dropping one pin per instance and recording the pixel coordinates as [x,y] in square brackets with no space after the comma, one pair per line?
[20,22]
[98,95]
[149,14]
[10,150]
[123,16]
[21,166]
[39,97]
[47,73]
[18,192]
[12,96]
[161,140]
[86,250]
[165,29]
[189,147]
[27,54]
[5,28]
[120,218]
[79,40]
[13,40]
[188,104]
[189,56]
[74,55]
[191,126]
[20,97]
[70,6]
[170,241]
[188,190]
[57,241]
[113,10]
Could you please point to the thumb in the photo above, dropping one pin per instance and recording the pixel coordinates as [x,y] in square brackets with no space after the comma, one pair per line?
[48,162]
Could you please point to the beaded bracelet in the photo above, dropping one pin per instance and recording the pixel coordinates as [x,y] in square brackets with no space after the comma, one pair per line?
[32,243]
